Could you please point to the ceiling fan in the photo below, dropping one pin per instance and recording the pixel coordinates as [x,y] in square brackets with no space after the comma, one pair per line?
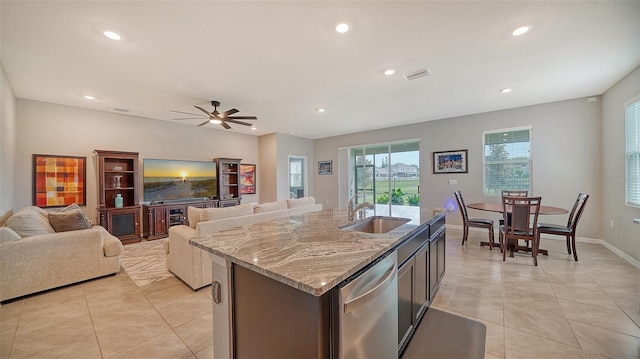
[216,117]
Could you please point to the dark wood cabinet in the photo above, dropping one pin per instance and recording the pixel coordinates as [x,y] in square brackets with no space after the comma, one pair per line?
[413,292]
[228,171]
[119,207]
[159,217]
[436,261]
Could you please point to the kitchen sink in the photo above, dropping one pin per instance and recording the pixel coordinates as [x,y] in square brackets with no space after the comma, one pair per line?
[375,224]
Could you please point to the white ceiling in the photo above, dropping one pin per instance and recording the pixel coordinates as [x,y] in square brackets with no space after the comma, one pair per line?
[282,60]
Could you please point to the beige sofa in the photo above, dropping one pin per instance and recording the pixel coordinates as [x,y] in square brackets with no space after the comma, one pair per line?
[191,264]
[36,254]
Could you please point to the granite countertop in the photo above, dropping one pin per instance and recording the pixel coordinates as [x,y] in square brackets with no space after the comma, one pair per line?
[308,252]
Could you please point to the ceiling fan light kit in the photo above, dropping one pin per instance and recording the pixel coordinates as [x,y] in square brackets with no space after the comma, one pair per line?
[218,118]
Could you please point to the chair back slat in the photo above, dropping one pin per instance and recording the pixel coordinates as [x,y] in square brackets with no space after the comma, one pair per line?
[577,210]
[514,193]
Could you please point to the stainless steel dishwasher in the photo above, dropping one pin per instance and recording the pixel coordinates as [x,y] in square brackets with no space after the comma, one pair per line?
[367,313]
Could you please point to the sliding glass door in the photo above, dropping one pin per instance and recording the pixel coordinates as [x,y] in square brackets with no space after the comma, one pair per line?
[387,175]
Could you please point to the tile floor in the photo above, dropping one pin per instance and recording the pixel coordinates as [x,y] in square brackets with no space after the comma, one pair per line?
[560,309]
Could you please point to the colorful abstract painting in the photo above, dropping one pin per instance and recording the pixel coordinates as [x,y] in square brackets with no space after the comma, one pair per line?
[59,180]
[247,179]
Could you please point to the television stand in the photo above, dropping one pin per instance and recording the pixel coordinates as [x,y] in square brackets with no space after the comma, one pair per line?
[157,218]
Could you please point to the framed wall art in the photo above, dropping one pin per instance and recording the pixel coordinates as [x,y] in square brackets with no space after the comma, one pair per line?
[59,180]
[247,179]
[325,167]
[450,161]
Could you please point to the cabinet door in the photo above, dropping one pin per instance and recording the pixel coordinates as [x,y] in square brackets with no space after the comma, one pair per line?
[160,221]
[122,223]
[405,304]
[433,268]
[421,282]
[442,244]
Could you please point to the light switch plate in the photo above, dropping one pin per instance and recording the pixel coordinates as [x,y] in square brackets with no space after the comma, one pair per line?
[453,182]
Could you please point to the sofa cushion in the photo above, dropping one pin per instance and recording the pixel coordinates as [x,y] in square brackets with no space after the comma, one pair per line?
[7,235]
[270,206]
[194,216]
[29,222]
[300,202]
[210,214]
[68,220]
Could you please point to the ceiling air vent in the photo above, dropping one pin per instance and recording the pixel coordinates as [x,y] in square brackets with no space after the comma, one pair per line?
[416,74]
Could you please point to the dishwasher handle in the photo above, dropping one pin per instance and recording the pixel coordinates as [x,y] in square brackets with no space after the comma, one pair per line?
[364,298]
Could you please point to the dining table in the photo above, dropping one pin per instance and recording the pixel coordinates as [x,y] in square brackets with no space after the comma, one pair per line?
[496,207]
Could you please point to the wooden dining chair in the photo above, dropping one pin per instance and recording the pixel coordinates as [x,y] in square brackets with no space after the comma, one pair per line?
[522,224]
[572,223]
[511,192]
[473,222]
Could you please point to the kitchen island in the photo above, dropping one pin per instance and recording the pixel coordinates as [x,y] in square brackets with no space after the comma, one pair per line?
[275,283]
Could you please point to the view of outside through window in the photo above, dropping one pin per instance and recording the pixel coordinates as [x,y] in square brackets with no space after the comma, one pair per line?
[387,176]
[507,161]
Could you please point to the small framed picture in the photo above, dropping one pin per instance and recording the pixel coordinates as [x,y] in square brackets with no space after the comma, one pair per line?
[247,178]
[325,167]
[450,161]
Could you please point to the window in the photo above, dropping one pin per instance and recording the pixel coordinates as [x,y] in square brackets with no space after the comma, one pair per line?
[297,176]
[507,160]
[632,153]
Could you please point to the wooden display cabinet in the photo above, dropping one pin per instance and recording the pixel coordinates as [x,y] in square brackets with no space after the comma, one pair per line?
[118,174]
[228,171]
[157,218]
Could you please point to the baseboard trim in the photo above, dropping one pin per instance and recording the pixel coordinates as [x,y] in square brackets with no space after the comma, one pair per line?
[599,241]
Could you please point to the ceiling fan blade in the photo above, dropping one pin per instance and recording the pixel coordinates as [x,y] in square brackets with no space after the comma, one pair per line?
[238,122]
[186,113]
[225,125]
[242,118]
[229,112]
[204,123]
[203,110]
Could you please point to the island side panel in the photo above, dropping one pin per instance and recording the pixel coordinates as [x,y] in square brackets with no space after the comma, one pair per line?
[274,320]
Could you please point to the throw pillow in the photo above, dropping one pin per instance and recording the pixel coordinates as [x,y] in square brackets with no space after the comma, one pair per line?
[68,220]
[270,206]
[210,214]
[29,222]
[301,202]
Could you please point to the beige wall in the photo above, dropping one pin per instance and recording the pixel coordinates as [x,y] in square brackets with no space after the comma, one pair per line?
[8,143]
[624,235]
[565,150]
[268,169]
[46,128]
[275,150]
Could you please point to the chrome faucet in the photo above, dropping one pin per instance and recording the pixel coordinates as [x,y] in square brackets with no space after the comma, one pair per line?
[359,209]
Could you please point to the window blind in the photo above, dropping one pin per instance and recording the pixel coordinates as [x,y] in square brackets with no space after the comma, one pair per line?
[507,160]
[632,154]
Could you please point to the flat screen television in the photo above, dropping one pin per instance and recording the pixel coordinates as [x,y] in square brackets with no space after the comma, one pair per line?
[178,180]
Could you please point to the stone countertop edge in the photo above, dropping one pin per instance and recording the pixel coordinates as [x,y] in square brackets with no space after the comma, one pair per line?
[291,245]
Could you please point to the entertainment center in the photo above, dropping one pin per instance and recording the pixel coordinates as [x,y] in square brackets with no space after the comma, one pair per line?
[169,188]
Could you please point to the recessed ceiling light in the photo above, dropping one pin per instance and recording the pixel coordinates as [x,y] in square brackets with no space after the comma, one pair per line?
[505,90]
[321,110]
[389,72]
[215,122]
[254,128]
[112,35]
[342,28]
[521,30]
[89,97]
